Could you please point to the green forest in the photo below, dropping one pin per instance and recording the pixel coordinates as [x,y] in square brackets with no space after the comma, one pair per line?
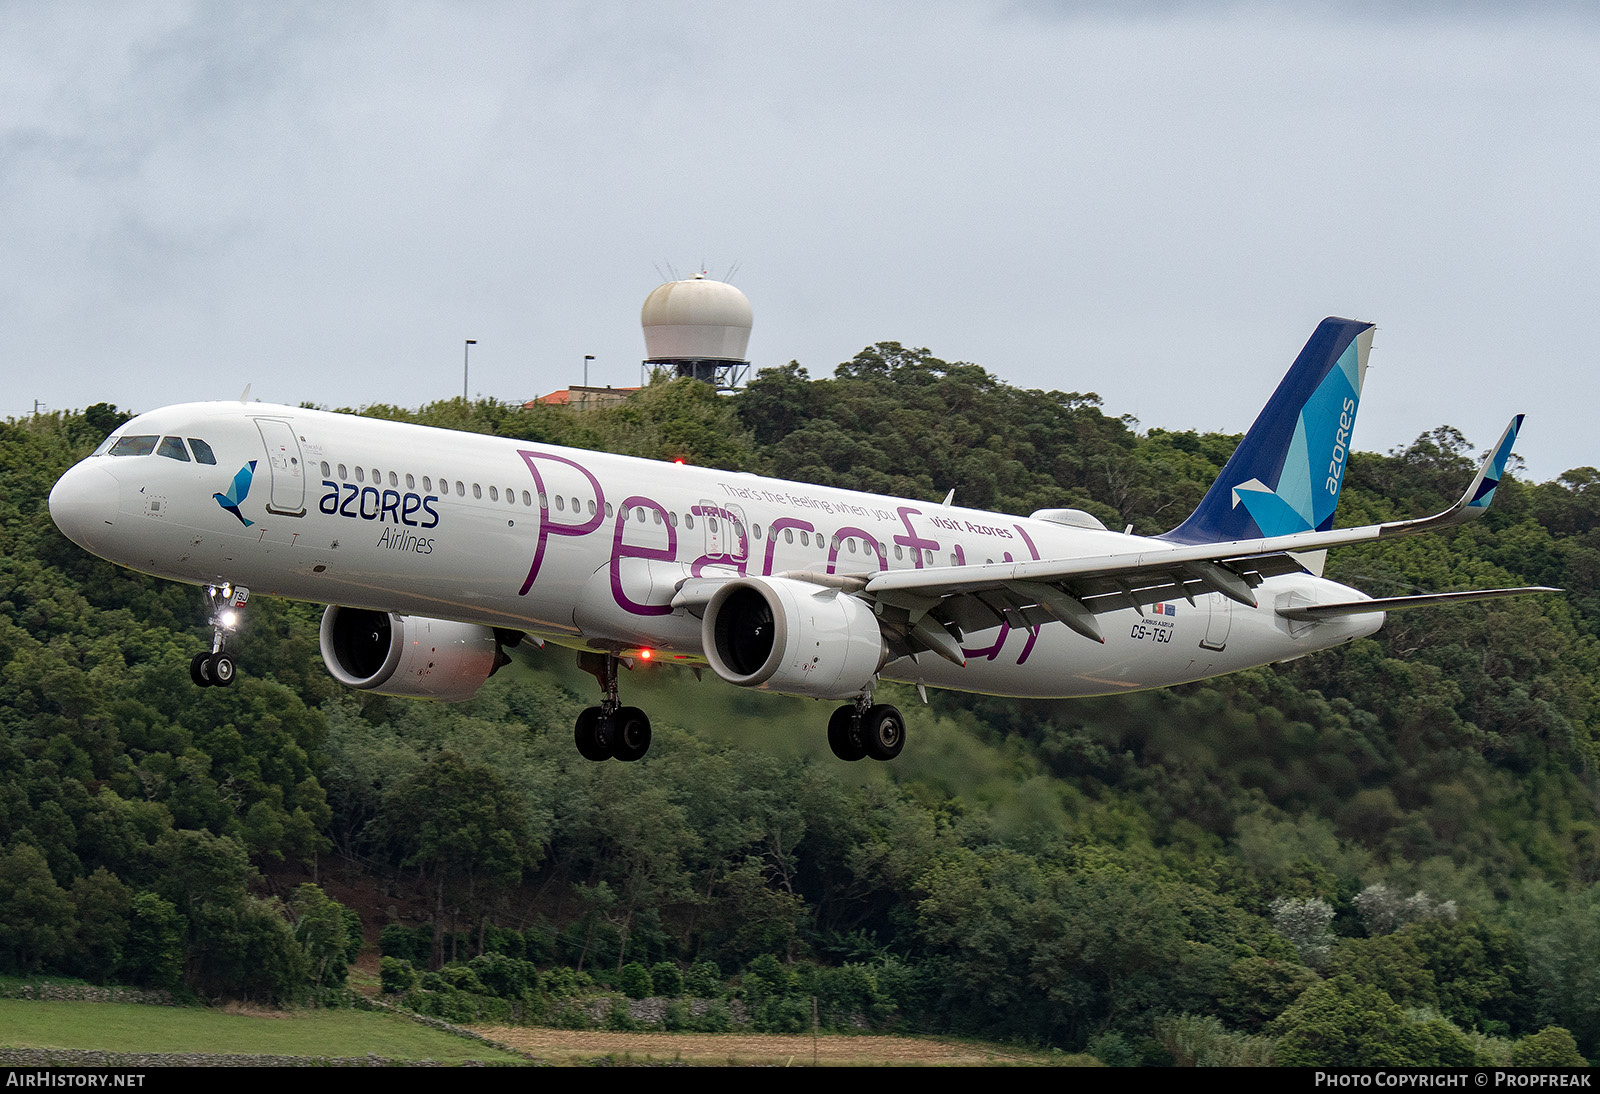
[1383,854]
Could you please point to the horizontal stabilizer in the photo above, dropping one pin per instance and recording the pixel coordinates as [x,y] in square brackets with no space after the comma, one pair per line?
[1312,613]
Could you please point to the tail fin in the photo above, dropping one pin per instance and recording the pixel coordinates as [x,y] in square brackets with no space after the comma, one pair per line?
[1285,475]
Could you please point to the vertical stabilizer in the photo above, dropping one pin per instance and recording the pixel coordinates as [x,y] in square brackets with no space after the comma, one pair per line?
[1285,475]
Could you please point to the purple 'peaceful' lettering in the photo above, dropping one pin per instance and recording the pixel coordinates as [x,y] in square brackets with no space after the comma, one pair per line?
[548,527]
[621,550]
[772,537]
[848,533]
[911,539]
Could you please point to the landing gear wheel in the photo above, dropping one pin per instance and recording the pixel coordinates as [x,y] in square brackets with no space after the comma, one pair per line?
[587,737]
[221,669]
[844,734]
[630,734]
[883,732]
[199,670]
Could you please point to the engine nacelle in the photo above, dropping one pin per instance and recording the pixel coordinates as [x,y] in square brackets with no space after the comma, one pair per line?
[784,635]
[409,655]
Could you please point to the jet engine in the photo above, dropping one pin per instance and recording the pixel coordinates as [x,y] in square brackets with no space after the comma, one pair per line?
[784,635]
[409,655]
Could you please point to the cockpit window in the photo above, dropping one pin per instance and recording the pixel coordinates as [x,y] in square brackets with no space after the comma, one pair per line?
[202,451]
[101,449]
[134,446]
[172,448]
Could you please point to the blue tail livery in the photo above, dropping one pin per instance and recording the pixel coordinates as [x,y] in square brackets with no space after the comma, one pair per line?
[1285,475]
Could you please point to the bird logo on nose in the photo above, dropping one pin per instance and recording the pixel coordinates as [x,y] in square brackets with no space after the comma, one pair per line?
[238,490]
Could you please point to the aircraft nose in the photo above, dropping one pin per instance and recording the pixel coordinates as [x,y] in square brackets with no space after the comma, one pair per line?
[83,503]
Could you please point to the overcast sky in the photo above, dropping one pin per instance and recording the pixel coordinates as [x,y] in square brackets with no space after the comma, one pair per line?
[1156,202]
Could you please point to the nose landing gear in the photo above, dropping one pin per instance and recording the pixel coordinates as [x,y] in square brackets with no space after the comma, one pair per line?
[215,667]
[610,730]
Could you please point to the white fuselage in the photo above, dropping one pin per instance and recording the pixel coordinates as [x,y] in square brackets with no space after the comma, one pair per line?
[588,549]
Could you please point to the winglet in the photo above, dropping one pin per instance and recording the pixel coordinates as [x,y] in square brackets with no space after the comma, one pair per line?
[1475,501]
[1481,492]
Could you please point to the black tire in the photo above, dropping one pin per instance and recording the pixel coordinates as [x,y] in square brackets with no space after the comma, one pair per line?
[587,737]
[844,734]
[883,731]
[198,670]
[630,734]
[221,669]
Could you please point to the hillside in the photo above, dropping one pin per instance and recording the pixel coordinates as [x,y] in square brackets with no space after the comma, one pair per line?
[1385,853]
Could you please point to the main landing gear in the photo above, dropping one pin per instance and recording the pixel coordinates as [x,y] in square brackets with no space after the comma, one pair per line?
[609,730]
[215,667]
[865,728]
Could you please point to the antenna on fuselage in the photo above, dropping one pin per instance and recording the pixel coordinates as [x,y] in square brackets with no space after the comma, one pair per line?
[950,497]
[244,396]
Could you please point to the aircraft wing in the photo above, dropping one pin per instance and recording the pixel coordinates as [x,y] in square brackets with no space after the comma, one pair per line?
[1075,590]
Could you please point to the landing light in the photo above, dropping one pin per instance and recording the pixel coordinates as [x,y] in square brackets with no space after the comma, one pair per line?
[229,618]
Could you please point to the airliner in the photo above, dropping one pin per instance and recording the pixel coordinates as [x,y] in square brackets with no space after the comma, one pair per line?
[437,550]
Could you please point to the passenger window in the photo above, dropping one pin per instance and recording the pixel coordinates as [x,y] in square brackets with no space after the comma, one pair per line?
[511,495]
[326,470]
[494,493]
[361,475]
[561,503]
[756,528]
[591,507]
[461,489]
[657,513]
[688,520]
[394,480]
[427,485]
[343,473]
[788,535]
[377,477]
[203,453]
[641,514]
[172,448]
[411,483]
[899,552]
[134,446]
[672,519]
[477,491]
[805,539]
[608,510]
[713,521]
[544,502]
[527,498]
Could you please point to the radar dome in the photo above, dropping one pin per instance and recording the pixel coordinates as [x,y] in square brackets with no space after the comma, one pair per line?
[697,319]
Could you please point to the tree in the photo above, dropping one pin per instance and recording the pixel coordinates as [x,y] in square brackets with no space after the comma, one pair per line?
[36,916]
[321,928]
[1342,1023]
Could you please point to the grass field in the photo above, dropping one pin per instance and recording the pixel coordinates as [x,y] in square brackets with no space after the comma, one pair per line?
[560,1046]
[128,1027]
[151,1030]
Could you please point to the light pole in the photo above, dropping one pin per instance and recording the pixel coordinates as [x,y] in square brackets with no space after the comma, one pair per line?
[466,352]
[586,359]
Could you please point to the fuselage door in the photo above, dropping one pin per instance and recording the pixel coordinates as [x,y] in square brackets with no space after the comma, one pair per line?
[1218,623]
[726,531]
[283,460]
